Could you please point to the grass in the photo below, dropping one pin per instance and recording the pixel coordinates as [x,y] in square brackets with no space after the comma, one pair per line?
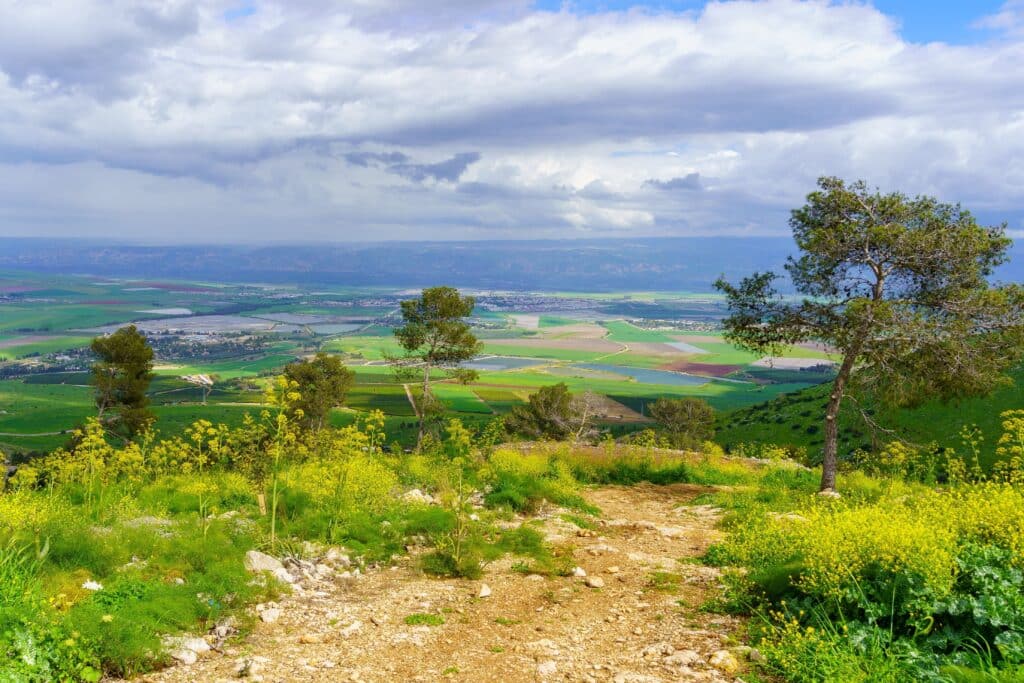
[796,420]
[231,369]
[542,352]
[423,619]
[622,331]
[42,346]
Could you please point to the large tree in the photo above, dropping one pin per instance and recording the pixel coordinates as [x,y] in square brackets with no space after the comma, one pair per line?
[436,336]
[323,383]
[900,288]
[121,378]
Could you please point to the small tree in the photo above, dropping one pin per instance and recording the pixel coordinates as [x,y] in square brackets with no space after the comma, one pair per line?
[121,377]
[688,421]
[552,412]
[323,383]
[899,287]
[436,335]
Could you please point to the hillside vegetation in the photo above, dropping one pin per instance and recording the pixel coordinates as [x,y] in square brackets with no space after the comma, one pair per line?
[794,421]
[117,559]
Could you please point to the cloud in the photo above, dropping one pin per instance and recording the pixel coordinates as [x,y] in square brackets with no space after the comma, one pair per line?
[1009,18]
[449,170]
[195,120]
[690,181]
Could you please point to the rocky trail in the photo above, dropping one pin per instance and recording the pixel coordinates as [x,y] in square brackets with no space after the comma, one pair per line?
[631,614]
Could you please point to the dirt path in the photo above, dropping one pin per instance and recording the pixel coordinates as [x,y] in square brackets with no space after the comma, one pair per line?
[643,625]
[412,401]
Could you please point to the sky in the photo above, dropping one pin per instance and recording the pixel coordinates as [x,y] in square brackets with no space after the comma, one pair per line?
[189,121]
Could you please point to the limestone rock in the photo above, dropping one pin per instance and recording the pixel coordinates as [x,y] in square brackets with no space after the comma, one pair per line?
[255,561]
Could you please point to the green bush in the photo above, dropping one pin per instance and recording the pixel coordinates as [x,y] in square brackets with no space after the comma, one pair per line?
[916,580]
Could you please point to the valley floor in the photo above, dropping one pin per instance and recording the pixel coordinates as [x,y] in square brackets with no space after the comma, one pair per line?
[634,618]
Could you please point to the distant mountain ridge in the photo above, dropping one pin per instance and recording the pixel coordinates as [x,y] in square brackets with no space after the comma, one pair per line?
[598,265]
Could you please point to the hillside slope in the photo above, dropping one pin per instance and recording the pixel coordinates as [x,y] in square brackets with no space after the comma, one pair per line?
[796,420]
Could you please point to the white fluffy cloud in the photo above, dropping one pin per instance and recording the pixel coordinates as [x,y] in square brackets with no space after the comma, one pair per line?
[180,120]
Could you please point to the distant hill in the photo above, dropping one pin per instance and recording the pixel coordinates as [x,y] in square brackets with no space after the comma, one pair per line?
[663,264]
[690,264]
[796,420]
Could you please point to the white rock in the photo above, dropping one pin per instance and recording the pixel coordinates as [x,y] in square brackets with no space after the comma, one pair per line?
[613,570]
[830,493]
[270,615]
[255,561]
[91,585]
[184,655]
[683,658]
[595,582]
[417,496]
[283,575]
[547,668]
[351,629]
[337,558]
[658,650]
[579,572]
[485,591]
[197,645]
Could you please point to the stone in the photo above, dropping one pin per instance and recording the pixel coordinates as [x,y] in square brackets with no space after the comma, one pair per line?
[830,493]
[186,649]
[312,638]
[417,496]
[352,629]
[547,668]
[724,661]
[485,591]
[579,572]
[255,561]
[336,558]
[613,570]
[250,667]
[595,582]
[283,575]
[683,658]
[184,655]
[270,615]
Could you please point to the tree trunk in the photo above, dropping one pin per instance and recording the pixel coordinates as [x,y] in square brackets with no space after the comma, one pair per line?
[829,461]
[423,405]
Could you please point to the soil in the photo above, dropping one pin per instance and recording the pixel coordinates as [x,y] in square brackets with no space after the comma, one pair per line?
[643,625]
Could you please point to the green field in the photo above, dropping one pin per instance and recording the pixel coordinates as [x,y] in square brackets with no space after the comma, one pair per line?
[41,346]
[233,369]
[46,311]
[621,331]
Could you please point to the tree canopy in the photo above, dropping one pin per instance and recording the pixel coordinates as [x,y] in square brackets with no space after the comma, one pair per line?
[688,421]
[323,383]
[436,335]
[121,378]
[900,288]
[553,412]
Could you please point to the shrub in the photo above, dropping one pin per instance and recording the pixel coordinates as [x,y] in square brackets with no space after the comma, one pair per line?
[936,573]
